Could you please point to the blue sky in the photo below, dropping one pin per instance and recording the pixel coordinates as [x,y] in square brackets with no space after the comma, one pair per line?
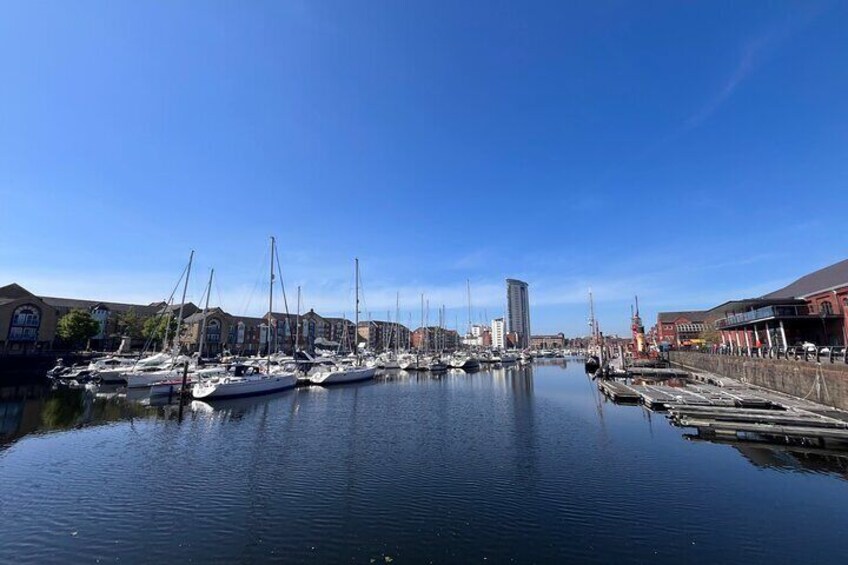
[688,152]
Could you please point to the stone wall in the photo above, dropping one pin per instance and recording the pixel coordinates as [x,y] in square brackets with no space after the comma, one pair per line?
[797,378]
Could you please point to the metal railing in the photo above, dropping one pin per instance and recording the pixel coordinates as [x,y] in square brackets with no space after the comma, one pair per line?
[810,353]
[766,312]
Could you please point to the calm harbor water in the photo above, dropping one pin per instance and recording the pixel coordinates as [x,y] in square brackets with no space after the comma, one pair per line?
[520,465]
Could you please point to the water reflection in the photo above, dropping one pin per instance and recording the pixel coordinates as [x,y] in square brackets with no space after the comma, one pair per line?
[45,410]
[521,463]
[787,457]
[37,409]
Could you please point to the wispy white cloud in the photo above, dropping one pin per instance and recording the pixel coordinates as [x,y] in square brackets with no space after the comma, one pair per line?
[753,53]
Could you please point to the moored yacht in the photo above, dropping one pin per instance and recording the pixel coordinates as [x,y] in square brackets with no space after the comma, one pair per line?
[248,380]
[242,380]
[463,360]
[343,374]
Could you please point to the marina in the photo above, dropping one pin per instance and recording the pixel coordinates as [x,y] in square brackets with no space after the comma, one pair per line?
[526,463]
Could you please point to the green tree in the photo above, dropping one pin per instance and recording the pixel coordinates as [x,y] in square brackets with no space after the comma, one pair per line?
[155,329]
[77,326]
[710,335]
[130,324]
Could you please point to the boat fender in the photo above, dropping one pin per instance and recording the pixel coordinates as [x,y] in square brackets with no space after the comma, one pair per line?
[227,381]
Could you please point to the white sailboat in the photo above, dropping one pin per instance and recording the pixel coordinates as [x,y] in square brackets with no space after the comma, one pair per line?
[340,374]
[245,380]
[163,367]
[464,360]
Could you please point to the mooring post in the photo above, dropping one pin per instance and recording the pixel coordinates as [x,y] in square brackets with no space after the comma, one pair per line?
[182,391]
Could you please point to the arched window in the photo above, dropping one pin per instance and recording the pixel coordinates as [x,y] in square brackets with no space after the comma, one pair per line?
[213,331]
[26,320]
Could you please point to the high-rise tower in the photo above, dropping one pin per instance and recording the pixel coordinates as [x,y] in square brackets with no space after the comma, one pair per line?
[518,310]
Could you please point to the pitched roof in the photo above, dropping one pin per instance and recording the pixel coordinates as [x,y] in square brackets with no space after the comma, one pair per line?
[14,291]
[75,303]
[198,316]
[834,276]
[337,320]
[691,315]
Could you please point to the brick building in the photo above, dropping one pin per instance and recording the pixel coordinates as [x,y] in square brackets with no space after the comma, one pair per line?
[679,328]
[554,341]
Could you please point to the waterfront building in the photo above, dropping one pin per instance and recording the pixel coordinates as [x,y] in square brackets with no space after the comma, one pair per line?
[434,338]
[383,336]
[108,315]
[480,336]
[679,328]
[27,323]
[498,333]
[552,341]
[813,308]
[338,333]
[518,311]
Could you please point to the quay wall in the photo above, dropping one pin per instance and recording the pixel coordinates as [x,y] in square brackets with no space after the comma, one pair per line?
[797,378]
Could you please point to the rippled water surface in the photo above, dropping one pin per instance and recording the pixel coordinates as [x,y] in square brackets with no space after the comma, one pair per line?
[511,465]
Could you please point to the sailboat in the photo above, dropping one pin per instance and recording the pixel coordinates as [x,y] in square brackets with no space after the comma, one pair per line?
[242,380]
[339,374]
[594,353]
[161,366]
[466,359]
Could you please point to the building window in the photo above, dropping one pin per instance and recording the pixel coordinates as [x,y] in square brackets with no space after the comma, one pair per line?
[826,308]
[25,323]
[213,331]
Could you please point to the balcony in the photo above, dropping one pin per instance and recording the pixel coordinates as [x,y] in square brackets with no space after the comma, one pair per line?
[774,312]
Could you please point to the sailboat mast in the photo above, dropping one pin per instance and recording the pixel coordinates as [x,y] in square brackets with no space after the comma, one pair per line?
[424,335]
[397,323]
[593,324]
[182,304]
[205,313]
[297,321]
[270,304]
[468,284]
[356,314]
[427,322]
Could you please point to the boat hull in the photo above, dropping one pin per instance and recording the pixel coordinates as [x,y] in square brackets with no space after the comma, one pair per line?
[142,379]
[346,376]
[239,387]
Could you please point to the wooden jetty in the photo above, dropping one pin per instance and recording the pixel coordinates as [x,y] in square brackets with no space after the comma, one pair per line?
[656,372]
[722,407]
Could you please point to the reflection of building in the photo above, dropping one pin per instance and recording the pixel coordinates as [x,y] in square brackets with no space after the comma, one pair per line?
[498,333]
[518,311]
